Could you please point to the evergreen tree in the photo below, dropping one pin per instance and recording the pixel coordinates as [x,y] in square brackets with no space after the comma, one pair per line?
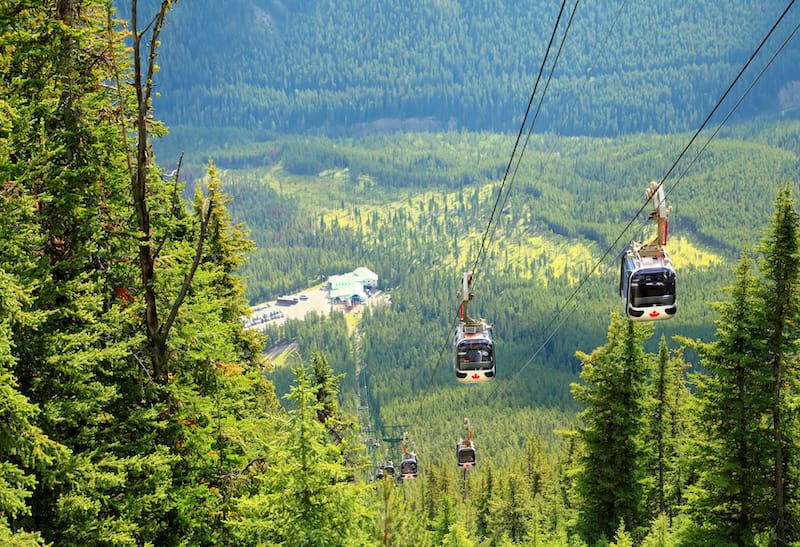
[535,466]
[660,534]
[306,498]
[610,478]
[510,509]
[666,430]
[457,537]
[66,158]
[341,427]
[483,501]
[395,521]
[327,385]
[148,458]
[222,412]
[622,537]
[24,449]
[730,501]
[780,268]
[445,519]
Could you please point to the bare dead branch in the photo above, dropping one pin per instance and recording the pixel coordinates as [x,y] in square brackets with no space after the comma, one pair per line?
[174,203]
[158,24]
[143,90]
[141,364]
[205,217]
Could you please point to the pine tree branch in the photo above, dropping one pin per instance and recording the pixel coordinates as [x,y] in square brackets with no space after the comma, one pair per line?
[120,94]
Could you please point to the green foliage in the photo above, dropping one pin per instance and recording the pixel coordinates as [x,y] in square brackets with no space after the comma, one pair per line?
[780,291]
[730,498]
[445,519]
[396,518]
[19,539]
[621,537]
[306,498]
[25,450]
[457,537]
[99,447]
[510,509]
[98,453]
[610,478]
[667,432]
[742,492]
[660,535]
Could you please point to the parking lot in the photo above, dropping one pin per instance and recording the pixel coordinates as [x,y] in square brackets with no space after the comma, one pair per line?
[314,299]
[272,313]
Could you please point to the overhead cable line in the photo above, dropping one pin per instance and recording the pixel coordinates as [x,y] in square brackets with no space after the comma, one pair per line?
[486,234]
[536,114]
[542,340]
[484,244]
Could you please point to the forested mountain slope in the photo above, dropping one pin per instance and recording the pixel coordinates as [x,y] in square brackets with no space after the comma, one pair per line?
[137,409]
[413,208]
[411,205]
[357,66]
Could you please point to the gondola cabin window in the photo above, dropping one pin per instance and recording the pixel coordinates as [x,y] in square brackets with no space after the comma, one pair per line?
[652,287]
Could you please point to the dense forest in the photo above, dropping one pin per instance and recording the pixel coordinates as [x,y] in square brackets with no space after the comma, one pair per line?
[255,67]
[138,410]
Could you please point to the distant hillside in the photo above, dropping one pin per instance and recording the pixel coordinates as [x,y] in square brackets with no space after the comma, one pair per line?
[360,66]
[413,208]
[410,205]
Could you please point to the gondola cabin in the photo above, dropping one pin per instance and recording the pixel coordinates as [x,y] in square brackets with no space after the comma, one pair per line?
[474,359]
[408,466]
[465,454]
[647,285]
[388,468]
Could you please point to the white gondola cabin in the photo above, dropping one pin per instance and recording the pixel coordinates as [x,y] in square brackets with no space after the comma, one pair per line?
[408,466]
[474,353]
[473,343]
[647,276]
[465,449]
[647,284]
[465,454]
